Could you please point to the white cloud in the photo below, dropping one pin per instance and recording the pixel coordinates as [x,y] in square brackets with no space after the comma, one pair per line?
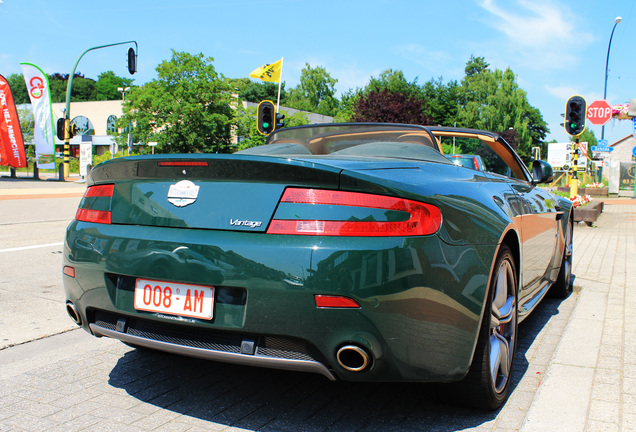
[539,33]
[564,92]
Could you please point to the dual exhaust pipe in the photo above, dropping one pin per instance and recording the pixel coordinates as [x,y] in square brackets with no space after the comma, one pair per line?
[353,358]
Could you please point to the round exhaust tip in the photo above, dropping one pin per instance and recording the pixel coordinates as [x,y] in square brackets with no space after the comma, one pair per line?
[72,312]
[353,358]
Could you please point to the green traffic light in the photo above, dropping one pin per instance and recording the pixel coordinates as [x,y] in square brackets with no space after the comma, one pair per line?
[266,125]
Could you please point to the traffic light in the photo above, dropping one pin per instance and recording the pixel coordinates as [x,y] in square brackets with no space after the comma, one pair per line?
[60,128]
[132,61]
[61,124]
[575,115]
[266,117]
[279,121]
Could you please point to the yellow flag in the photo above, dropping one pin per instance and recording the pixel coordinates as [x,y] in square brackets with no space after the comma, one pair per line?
[268,72]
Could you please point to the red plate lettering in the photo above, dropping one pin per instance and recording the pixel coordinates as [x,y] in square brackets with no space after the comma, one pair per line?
[174,298]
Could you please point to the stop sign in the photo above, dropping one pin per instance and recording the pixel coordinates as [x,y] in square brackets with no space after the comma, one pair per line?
[599,112]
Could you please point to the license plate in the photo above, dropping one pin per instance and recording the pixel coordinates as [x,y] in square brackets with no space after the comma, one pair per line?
[173,298]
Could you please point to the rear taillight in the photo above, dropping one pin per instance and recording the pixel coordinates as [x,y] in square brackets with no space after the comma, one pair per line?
[338,213]
[95,206]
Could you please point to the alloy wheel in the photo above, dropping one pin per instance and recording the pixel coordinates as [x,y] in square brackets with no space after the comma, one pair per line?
[503,326]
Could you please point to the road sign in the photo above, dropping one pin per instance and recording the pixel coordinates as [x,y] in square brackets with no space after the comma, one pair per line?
[634,152]
[599,112]
[634,127]
[603,149]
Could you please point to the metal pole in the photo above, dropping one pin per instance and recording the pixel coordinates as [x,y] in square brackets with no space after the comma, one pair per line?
[67,115]
[616,21]
[574,181]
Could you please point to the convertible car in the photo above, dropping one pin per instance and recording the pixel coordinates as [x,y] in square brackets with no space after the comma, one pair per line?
[357,251]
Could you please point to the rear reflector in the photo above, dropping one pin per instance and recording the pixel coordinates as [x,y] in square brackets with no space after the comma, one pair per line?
[69,271]
[424,219]
[98,194]
[328,301]
[182,163]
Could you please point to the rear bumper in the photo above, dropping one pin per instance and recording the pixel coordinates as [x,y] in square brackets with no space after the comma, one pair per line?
[421,299]
[243,350]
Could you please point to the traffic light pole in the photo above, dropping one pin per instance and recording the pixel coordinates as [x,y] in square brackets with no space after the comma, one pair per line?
[574,182]
[67,111]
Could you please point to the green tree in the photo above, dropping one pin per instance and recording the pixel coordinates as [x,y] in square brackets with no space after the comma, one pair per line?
[107,85]
[475,65]
[442,101]
[186,109]
[18,89]
[493,101]
[347,102]
[394,82]
[83,90]
[315,93]
[26,124]
[257,91]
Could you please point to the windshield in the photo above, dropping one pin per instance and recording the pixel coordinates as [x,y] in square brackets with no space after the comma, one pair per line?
[353,140]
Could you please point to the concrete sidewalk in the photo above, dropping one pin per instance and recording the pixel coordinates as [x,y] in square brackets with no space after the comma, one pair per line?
[47,187]
[590,384]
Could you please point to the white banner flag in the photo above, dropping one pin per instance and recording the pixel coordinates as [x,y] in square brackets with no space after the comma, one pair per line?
[37,84]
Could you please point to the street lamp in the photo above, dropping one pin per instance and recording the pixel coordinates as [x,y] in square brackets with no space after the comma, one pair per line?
[123,91]
[616,21]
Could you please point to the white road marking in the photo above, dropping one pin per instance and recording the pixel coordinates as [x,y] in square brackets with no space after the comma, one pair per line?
[31,247]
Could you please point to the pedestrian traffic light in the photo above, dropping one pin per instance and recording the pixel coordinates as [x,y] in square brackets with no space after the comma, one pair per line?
[266,117]
[575,115]
[132,61]
[279,121]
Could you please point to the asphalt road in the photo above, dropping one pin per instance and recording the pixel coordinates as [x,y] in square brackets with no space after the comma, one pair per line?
[55,377]
[32,226]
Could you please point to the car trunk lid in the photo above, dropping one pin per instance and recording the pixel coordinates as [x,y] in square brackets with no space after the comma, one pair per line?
[202,191]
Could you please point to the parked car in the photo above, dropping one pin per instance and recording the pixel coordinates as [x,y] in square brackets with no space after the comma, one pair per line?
[469,161]
[355,251]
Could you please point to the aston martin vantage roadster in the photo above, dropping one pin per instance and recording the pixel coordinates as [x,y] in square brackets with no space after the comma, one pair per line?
[358,251]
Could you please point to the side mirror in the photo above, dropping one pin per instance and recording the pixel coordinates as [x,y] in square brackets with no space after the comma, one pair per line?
[541,172]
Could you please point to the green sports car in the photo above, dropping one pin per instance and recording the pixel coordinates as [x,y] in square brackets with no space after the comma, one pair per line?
[356,251]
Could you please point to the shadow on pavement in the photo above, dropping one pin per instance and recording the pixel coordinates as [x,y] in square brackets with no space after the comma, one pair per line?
[272,400]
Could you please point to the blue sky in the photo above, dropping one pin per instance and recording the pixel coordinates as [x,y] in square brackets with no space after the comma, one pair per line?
[557,48]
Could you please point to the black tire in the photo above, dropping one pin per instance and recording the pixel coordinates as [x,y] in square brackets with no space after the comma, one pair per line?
[563,285]
[487,384]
